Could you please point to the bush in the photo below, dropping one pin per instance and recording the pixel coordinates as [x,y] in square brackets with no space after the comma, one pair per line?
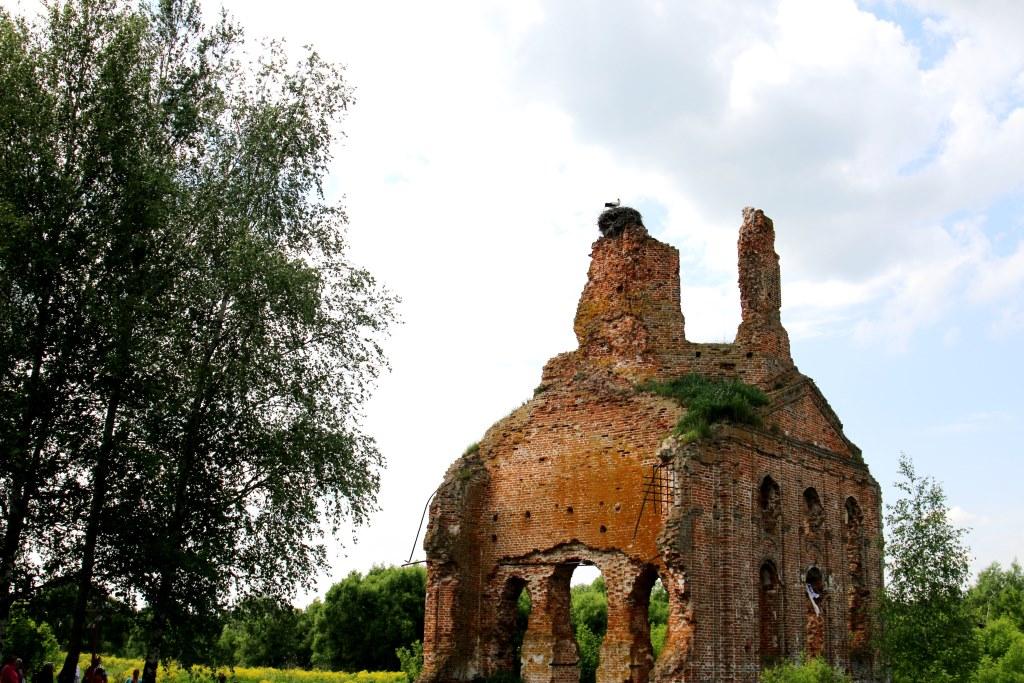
[590,653]
[709,401]
[813,671]
[411,660]
[32,641]
[1002,647]
[658,634]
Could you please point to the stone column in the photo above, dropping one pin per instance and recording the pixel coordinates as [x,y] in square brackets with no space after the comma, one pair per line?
[440,641]
[549,647]
[674,663]
[626,654]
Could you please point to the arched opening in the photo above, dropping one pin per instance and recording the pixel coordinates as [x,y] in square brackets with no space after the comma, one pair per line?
[657,617]
[770,612]
[815,622]
[588,613]
[770,502]
[814,513]
[523,605]
[513,619]
[856,586]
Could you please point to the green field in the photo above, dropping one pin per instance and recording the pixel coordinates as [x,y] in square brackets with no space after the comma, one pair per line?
[120,669]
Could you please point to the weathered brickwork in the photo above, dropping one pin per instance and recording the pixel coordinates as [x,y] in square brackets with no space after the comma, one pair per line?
[746,521]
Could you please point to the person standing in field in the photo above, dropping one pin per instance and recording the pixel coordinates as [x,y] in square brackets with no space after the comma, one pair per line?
[9,671]
[134,678]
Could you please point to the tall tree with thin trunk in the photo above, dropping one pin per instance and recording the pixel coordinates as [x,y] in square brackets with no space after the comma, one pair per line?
[184,346]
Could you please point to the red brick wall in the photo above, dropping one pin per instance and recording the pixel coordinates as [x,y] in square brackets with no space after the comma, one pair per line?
[561,481]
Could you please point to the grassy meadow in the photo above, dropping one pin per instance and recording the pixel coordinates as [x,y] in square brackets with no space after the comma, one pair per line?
[119,669]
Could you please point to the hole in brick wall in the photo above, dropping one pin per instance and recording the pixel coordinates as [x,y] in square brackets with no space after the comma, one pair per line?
[494,538]
[750,354]
[619,289]
[542,458]
[604,529]
[618,507]
[527,514]
[494,517]
[697,355]
[588,614]
[569,509]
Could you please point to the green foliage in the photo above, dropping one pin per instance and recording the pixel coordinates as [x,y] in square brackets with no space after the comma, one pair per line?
[1002,652]
[184,346]
[589,607]
[32,641]
[812,671]
[658,607]
[657,612]
[411,660]
[928,633]
[119,669]
[266,632]
[998,593]
[709,401]
[364,619]
[472,449]
[658,634]
[589,644]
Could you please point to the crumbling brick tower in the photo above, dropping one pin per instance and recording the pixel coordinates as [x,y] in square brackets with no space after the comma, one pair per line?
[743,527]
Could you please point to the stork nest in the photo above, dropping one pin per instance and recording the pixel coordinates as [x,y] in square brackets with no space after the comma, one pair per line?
[613,221]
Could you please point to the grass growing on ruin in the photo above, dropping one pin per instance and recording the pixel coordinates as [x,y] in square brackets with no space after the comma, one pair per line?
[708,401]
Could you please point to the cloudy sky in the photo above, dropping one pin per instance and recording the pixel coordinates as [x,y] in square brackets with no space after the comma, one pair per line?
[885,139]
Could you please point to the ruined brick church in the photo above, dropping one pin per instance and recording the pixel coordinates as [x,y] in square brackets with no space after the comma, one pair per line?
[767,538]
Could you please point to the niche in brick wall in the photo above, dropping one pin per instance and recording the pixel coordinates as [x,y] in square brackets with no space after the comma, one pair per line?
[856,586]
[770,502]
[814,514]
[815,613]
[770,613]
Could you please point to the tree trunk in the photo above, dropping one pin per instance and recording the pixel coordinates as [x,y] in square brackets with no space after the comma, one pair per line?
[189,449]
[101,471]
[154,645]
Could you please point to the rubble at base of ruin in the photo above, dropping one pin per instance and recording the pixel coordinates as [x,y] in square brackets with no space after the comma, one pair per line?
[766,538]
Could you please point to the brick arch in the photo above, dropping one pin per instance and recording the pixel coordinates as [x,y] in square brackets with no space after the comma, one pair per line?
[771,618]
[857,593]
[814,631]
[503,639]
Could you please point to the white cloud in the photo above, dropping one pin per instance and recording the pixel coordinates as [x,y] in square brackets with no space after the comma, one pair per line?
[487,136]
[964,518]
